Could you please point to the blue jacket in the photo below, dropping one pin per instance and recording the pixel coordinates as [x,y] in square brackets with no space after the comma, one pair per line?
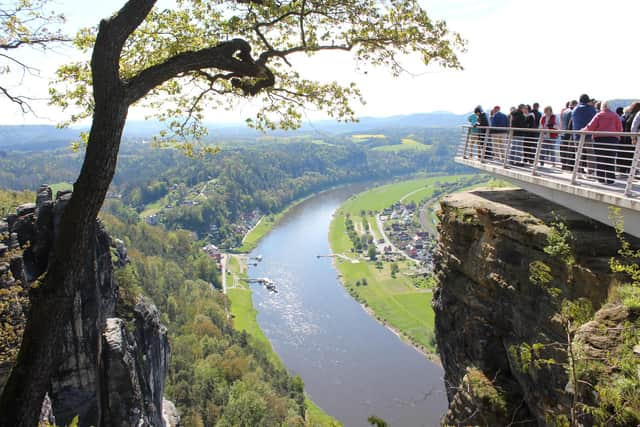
[499,120]
[582,115]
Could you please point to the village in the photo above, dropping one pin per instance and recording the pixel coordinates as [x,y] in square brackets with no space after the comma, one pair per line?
[406,237]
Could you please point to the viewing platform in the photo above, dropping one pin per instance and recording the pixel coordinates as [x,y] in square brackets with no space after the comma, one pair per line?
[586,172]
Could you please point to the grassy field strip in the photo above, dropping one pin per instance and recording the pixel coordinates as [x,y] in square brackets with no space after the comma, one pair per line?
[395,302]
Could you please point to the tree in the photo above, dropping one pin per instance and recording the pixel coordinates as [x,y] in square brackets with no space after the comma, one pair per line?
[26,23]
[394,269]
[177,61]
[372,253]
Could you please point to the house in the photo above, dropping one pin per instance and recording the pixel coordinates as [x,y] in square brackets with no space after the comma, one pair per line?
[152,219]
[212,250]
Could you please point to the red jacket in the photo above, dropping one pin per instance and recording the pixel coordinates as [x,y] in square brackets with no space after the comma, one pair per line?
[550,125]
[606,121]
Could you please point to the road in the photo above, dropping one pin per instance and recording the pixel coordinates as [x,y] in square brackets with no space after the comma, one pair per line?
[425,221]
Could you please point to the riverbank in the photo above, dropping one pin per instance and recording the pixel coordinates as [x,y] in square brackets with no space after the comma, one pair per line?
[397,300]
[267,222]
[244,319]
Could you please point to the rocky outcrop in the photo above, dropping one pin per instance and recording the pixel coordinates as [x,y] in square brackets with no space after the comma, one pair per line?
[113,370]
[487,307]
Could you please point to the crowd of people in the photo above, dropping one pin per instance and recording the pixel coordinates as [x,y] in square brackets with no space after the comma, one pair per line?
[602,157]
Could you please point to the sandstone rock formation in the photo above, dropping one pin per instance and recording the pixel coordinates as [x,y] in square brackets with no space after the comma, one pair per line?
[113,369]
[486,305]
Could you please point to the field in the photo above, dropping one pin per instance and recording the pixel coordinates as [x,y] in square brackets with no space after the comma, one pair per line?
[396,302]
[407,144]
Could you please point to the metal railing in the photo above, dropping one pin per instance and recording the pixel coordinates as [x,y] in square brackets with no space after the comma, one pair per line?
[604,161]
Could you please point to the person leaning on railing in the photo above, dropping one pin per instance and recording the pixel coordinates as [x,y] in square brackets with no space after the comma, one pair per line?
[499,123]
[483,121]
[605,147]
[625,154]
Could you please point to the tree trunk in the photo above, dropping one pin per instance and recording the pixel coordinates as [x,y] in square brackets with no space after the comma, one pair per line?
[69,268]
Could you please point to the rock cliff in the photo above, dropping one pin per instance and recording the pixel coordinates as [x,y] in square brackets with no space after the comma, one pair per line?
[487,306]
[113,369]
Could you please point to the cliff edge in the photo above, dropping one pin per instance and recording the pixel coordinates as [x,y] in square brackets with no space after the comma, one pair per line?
[113,369]
[488,308]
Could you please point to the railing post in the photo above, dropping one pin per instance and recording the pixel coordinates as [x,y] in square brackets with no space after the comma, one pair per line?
[633,170]
[507,150]
[485,133]
[538,151]
[466,143]
[576,166]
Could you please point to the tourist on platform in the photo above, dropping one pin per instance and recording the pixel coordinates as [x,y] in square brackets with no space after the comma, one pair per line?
[473,133]
[530,138]
[580,117]
[518,122]
[500,121]
[620,112]
[536,114]
[635,127]
[605,147]
[548,149]
[483,121]
[567,146]
[626,150]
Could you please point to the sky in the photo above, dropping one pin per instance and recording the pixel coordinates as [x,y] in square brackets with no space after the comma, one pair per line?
[544,51]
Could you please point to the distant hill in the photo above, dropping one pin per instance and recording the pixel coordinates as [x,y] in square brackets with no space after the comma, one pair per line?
[43,137]
[35,137]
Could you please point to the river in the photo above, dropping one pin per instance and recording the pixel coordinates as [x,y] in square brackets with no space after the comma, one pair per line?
[352,366]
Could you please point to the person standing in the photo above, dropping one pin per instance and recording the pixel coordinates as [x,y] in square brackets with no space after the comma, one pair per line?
[536,114]
[518,122]
[605,146]
[580,117]
[567,147]
[483,122]
[473,133]
[625,153]
[530,138]
[548,121]
[500,123]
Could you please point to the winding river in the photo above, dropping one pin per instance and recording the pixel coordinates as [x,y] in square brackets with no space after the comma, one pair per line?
[352,366]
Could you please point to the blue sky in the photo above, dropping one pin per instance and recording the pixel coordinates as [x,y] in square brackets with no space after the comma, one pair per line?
[546,51]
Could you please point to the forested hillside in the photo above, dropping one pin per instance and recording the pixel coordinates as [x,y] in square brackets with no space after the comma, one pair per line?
[217,376]
[220,196]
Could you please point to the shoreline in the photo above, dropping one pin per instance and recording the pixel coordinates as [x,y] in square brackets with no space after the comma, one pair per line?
[427,354]
[278,216]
